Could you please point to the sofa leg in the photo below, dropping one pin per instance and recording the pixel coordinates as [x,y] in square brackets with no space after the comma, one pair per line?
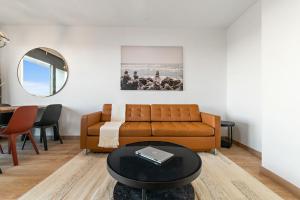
[86,151]
[214,151]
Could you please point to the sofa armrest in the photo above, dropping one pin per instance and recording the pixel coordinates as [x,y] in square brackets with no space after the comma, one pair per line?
[215,122]
[86,121]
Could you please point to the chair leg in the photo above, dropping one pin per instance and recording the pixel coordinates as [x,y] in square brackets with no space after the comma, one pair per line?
[41,137]
[33,142]
[214,151]
[60,139]
[9,147]
[23,137]
[1,150]
[24,142]
[56,133]
[43,132]
[13,147]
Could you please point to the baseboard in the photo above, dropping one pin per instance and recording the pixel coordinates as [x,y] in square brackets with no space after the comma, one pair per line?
[249,149]
[70,137]
[289,186]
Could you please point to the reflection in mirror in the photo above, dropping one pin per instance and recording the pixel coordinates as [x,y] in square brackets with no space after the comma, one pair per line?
[42,72]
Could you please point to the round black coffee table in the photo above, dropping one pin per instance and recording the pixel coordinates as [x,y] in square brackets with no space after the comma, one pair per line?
[141,179]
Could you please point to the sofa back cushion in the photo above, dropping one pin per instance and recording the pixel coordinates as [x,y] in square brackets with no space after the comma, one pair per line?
[134,113]
[138,113]
[106,113]
[175,112]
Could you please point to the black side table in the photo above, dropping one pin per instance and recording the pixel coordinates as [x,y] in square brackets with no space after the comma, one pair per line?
[227,141]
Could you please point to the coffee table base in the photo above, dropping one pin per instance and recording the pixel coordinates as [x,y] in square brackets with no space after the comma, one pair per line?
[123,192]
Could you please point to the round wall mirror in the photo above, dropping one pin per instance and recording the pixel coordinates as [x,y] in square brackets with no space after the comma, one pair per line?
[43,72]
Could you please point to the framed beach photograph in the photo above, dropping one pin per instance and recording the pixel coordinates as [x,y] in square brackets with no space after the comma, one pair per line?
[152,68]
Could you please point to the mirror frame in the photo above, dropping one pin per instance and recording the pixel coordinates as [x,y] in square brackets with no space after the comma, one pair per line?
[68,71]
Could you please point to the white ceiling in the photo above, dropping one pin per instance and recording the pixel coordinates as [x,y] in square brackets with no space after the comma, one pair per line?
[130,13]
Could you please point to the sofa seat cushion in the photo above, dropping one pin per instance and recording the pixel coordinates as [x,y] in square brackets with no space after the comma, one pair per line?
[181,129]
[135,129]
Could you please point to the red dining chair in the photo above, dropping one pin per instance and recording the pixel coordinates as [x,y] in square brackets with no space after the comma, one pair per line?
[20,123]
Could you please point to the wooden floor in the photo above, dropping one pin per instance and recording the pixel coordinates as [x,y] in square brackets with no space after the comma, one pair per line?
[252,164]
[34,168]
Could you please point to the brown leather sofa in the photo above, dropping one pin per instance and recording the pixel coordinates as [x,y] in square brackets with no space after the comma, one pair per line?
[183,124]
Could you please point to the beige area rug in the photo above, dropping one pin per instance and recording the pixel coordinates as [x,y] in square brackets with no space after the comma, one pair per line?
[86,177]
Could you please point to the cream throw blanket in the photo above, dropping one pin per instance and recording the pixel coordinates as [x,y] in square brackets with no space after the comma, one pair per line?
[109,132]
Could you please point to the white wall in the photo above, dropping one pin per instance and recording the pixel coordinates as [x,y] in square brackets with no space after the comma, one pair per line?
[1,50]
[93,55]
[281,81]
[244,77]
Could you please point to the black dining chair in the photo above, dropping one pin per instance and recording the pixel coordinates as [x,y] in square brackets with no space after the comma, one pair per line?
[5,117]
[49,119]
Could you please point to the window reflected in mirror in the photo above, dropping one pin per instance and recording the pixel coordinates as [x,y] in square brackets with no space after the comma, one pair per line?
[43,72]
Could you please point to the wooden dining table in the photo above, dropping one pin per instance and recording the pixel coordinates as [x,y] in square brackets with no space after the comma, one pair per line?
[8,109]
